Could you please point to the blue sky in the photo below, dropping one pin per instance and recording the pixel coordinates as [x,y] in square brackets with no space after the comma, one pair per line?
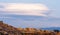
[34,13]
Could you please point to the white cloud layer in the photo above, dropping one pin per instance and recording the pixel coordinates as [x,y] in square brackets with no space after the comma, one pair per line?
[24,9]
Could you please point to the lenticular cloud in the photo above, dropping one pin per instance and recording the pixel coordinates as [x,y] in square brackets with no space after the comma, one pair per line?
[25,9]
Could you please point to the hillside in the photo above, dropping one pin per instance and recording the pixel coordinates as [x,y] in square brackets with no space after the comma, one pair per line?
[6,29]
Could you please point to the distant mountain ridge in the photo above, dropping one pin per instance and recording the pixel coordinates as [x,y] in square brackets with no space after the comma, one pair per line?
[51,28]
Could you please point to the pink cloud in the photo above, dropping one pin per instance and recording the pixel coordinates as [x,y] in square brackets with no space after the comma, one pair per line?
[25,9]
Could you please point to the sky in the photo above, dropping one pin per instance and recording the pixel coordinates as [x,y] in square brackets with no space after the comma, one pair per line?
[30,13]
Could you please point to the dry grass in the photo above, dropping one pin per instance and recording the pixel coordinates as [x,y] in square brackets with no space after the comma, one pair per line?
[32,31]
